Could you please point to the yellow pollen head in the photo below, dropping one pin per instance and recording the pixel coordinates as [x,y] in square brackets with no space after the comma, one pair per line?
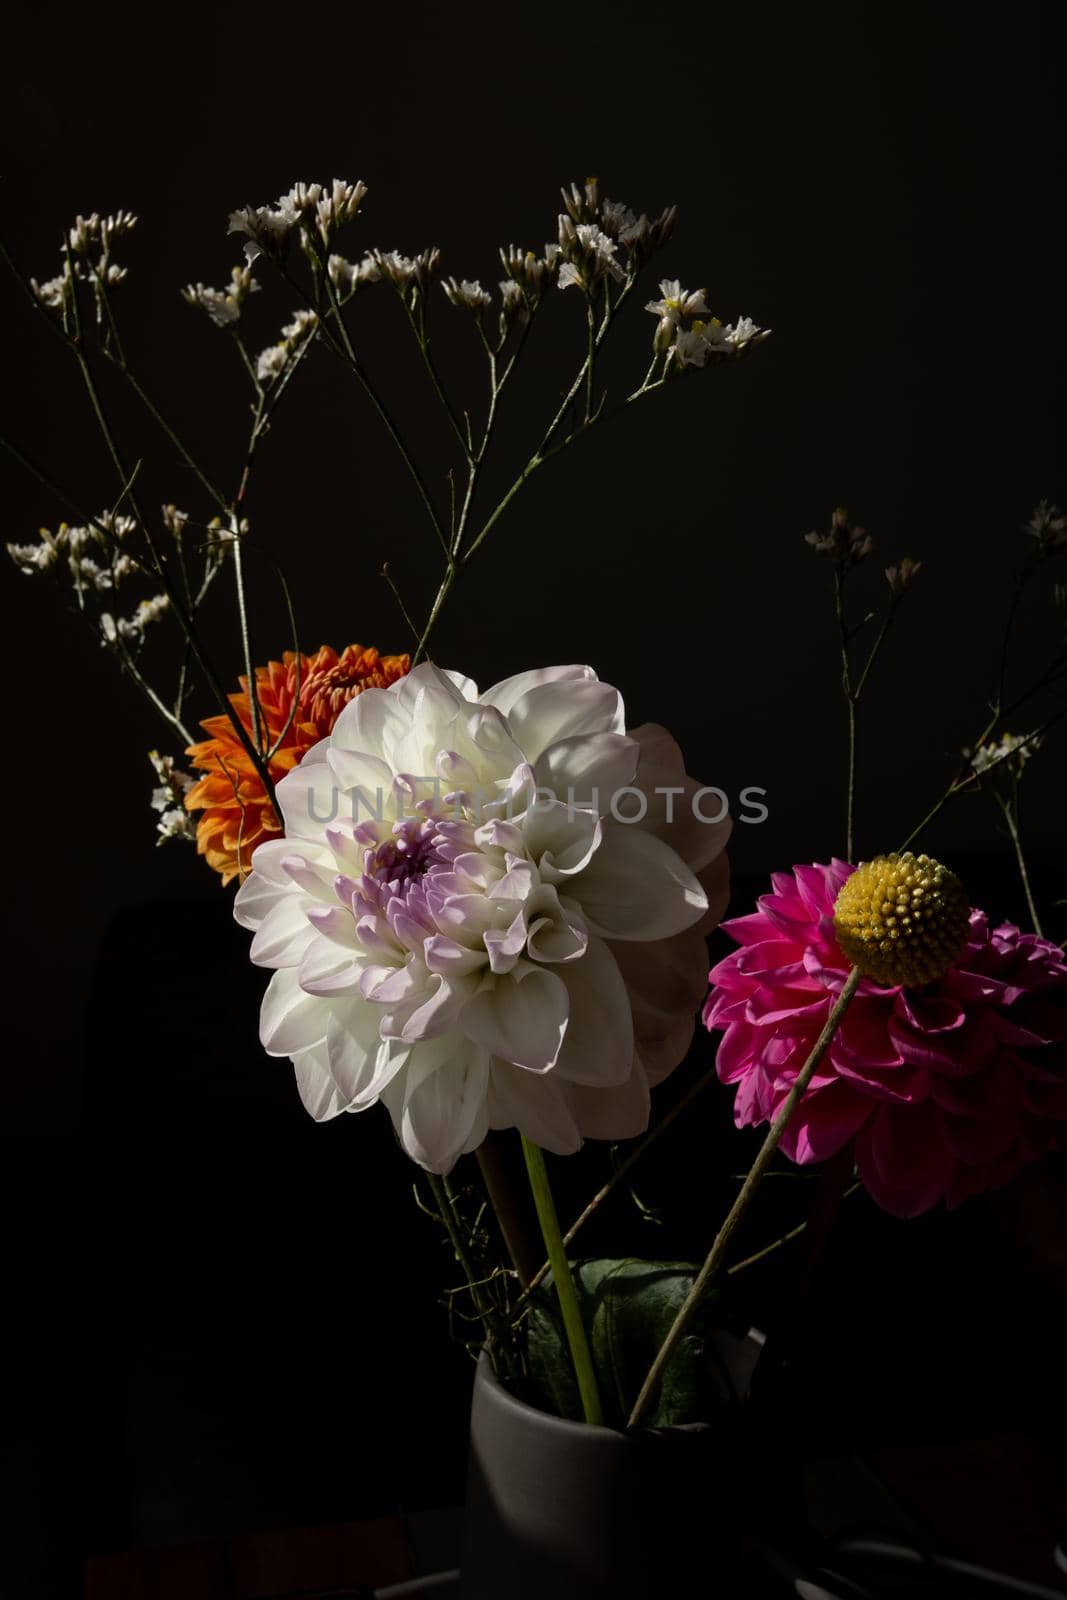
[902,919]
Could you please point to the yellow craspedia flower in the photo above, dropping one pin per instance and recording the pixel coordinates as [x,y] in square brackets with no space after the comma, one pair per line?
[902,918]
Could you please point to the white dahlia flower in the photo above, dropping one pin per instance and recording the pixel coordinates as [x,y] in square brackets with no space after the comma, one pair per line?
[486,912]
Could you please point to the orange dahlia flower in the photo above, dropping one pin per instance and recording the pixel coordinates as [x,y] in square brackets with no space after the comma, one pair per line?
[237,815]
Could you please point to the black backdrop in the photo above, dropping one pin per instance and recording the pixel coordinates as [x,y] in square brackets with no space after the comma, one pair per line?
[880,185]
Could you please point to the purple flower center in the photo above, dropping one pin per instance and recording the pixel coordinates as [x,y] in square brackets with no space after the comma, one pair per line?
[411,852]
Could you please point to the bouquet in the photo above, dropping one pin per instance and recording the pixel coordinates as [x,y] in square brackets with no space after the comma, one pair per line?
[485,909]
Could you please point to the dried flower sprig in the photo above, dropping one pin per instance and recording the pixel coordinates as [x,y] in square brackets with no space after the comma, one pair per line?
[599,249]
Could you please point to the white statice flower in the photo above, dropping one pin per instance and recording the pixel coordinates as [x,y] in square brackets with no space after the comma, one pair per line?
[740,334]
[33,558]
[694,346]
[346,276]
[267,228]
[488,911]
[168,799]
[124,566]
[617,220]
[690,347]
[223,306]
[530,272]
[467,294]
[301,328]
[91,575]
[587,254]
[52,293]
[271,363]
[337,205]
[676,302]
[1013,748]
[133,628]
[301,200]
[410,275]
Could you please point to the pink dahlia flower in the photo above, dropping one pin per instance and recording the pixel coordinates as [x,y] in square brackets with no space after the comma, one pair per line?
[947,1089]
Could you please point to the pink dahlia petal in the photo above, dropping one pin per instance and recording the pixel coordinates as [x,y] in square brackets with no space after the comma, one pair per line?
[832,1116]
[947,1089]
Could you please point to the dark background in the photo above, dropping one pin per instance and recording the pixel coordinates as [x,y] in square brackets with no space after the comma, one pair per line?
[882,186]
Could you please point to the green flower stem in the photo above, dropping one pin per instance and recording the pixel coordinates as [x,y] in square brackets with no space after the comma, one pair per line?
[623,1170]
[680,1325]
[573,1326]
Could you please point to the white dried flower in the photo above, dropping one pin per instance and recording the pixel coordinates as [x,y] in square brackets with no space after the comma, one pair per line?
[53,292]
[124,566]
[339,204]
[148,612]
[84,232]
[694,346]
[676,302]
[514,306]
[1016,748]
[531,273]
[168,798]
[115,226]
[301,328]
[174,520]
[271,363]
[690,347]
[89,574]
[34,558]
[346,276]
[267,228]
[588,254]
[467,294]
[176,824]
[223,306]
[301,199]
[617,220]
[737,336]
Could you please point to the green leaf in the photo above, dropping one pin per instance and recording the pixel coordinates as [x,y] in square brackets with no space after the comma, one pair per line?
[628,1307]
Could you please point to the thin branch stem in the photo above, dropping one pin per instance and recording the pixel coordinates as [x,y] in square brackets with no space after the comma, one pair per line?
[740,1206]
[1010,809]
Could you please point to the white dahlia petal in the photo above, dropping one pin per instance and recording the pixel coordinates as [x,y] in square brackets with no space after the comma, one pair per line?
[315,1084]
[555,929]
[431,1011]
[269,883]
[504,694]
[289,1019]
[369,723]
[674,808]
[328,969]
[284,934]
[588,770]
[636,887]
[562,710]
[360,1063]
[537,1106]
[445,1089]
[560,838]
[520,1016]
[308,798]
[617,1113]
[599,1044]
